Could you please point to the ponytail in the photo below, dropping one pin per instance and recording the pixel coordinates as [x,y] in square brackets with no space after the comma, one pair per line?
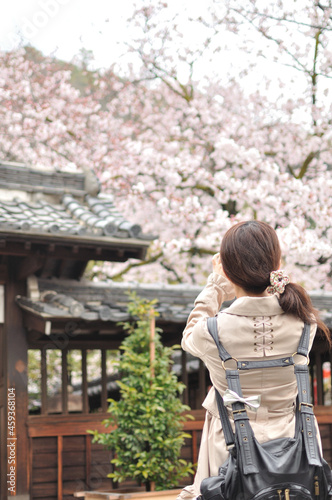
[295,300]
[249,253]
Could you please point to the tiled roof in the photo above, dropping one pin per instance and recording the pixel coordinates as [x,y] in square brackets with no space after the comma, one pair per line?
[108,301]
[94,217]
[57,203]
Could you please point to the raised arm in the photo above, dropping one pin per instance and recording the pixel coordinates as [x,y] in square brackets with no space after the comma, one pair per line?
[207,304]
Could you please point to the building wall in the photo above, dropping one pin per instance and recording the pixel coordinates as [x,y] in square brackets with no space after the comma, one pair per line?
[15,406]
[55,455]
[3,418]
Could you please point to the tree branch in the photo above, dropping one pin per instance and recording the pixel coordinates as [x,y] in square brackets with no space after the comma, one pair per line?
[306,164]
[170,269]
[132,265]
[285,20]
[314,74]
[206,189]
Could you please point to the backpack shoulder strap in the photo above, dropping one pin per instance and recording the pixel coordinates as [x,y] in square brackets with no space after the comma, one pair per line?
[223,354]
[212,324]
[304,400]
[241,419]
[303,347]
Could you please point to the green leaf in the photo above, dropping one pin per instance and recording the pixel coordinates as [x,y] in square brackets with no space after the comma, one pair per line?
[149,416]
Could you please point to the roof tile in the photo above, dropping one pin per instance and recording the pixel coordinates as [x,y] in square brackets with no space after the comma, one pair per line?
[108,301]
[74,211]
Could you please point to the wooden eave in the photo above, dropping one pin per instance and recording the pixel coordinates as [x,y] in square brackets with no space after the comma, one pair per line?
[64,246]
[45,325]
[44,329]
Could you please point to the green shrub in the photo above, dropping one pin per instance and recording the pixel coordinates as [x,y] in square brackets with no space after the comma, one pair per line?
[149,416]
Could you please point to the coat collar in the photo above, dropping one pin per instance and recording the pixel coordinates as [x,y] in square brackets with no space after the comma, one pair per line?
[255,306]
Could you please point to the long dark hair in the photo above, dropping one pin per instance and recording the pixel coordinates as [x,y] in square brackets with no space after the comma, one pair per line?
[249,252]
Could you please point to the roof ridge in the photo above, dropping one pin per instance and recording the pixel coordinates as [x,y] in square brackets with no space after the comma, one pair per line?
[20,176]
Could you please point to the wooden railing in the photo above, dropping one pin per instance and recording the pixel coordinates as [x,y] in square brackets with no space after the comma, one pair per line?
[64,460]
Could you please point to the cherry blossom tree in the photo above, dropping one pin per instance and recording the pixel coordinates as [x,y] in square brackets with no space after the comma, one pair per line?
[45,121]
[219,118]
[224,152]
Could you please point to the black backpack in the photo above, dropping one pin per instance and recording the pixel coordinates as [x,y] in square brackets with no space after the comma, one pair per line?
[281,469]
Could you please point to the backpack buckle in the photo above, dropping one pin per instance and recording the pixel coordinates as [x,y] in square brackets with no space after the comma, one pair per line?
[303,355]
[309,405]
[230,359]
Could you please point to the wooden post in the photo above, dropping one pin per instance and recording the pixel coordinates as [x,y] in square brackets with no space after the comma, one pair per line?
[87,460]
[194,447]
[201,384]
[60,467]
[64,378]
[152,358]
[17,379]
[104,404]
[43,376]
[152,344]
[319,377]
[184,377]
[84,383]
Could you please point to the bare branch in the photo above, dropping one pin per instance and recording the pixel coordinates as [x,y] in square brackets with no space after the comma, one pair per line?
[285,20]
[306,164]
[272,39]
[133,265]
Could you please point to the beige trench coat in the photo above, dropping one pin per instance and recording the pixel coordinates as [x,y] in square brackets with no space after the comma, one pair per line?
[251,328]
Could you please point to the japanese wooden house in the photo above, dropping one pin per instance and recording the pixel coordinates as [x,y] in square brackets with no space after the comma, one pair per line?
[59,333]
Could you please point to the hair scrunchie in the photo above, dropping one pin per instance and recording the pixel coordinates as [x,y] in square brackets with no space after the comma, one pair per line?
[278,279]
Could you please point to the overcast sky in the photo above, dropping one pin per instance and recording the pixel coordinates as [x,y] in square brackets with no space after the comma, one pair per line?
[62,27]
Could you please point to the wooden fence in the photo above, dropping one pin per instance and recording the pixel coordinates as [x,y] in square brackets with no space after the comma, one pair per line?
[63,459]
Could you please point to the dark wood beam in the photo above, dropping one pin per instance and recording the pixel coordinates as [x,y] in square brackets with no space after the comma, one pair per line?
[103,381]
[29,265]
[88,460]
[16,353]
[3,271]
[319,377]
[70,247]
[36,323]
[85,383]
[78,269]
[43,378]
[59,326]
[184,375]
[2,364]
[60,466]
[3,441]
[201,383]
[64,380]
[320,345]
